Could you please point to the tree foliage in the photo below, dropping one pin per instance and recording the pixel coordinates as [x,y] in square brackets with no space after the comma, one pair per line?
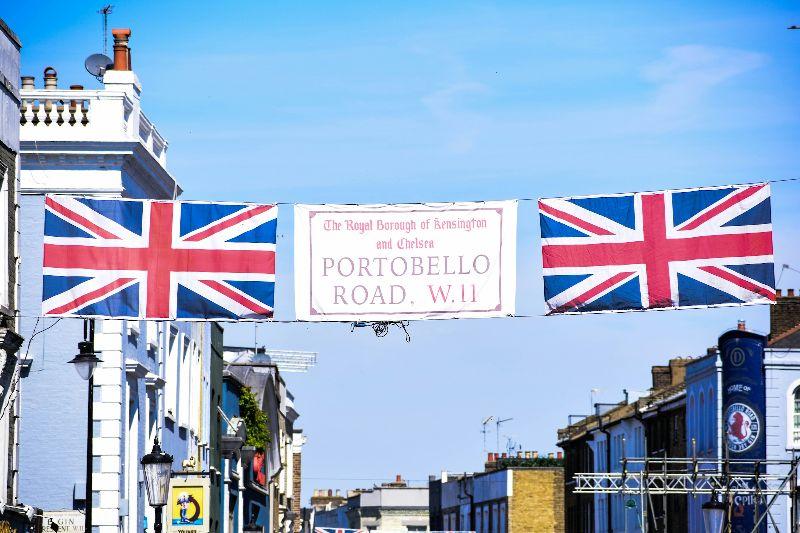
[256,420]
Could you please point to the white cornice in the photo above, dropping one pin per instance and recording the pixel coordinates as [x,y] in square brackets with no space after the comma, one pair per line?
[133,157]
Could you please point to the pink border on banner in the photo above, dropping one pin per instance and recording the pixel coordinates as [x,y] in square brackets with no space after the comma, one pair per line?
[314,312]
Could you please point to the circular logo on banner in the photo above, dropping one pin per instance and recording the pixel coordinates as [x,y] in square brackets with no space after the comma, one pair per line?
[738,355]
[742,426]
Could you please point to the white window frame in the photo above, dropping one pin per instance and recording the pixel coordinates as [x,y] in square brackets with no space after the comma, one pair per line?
[792,443]
[5,244]
[171,378]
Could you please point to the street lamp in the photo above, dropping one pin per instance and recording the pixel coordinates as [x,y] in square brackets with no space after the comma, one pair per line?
[157,467]
[714,514]
[85,363]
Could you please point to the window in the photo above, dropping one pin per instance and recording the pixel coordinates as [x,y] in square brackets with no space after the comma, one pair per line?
[701,429]
[796,418]
[5,297]
[171,375]
[185,383]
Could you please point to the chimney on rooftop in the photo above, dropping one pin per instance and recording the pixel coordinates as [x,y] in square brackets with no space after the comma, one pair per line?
[27,82]
[789,292]
[559,455]
[50,78]
[122,54]
[398,479]
[741,325]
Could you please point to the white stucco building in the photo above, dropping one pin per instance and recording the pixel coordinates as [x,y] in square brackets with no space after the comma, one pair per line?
[154,378]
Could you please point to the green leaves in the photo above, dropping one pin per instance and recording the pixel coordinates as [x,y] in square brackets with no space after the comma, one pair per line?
[255,419]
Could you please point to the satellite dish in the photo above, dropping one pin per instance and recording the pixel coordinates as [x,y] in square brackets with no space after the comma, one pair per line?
[97,64]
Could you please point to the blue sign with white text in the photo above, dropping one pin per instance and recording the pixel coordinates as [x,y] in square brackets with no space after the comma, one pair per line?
[743,407]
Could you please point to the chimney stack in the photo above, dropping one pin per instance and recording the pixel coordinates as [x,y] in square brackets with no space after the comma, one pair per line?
[122,54]
[50,78]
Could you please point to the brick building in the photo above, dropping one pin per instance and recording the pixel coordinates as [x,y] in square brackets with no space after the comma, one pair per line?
[516,494]
[651,425]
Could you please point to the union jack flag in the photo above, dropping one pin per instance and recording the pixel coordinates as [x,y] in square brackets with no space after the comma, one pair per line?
[336,530]
[158,259]
[667,249]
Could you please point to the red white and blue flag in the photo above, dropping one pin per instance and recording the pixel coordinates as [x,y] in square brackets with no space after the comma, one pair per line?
[667,249]
[152,259]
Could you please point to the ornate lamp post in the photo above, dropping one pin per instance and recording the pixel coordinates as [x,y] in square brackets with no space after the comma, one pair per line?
[714,514]
[85,363]
[157,467]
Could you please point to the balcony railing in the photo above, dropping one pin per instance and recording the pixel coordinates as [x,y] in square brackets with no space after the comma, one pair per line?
[87,115]
[47,111]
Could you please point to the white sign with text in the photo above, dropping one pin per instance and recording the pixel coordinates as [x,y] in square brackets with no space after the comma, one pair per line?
[405,261]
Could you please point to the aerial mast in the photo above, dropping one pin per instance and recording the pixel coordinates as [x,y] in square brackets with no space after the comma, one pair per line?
[105,11]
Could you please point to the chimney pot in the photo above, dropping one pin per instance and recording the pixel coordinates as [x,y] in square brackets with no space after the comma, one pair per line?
[122,54]
[789,292]
[741,326]
[535,454]
[505,456]
[338,492]
[778,293]
[519,455]
[560,455]
[398,479]
[550,455]
[527,455]
[330,492]
[27,82]
[489,457]
[50,78]
[76,87]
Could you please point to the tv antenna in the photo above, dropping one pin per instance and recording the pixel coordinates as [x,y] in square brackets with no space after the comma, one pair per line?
[105,11]
[498,422]
[484,423]
[512,446]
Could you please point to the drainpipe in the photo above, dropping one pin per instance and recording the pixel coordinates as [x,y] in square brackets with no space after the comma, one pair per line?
[608,461]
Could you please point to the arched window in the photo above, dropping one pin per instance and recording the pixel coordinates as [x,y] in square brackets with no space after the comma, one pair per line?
[712,419]
[690,418]
[701,430]
[796,418]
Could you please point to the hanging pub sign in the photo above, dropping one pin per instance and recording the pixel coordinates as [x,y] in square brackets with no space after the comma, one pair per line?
[743,410]
[658,250]
[158,259]
[189,499]
[401,262]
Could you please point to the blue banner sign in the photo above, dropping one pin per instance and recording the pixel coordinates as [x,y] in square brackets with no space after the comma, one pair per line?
[743,410]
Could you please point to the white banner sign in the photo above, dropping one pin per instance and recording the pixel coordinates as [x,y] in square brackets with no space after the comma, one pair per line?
[405,261]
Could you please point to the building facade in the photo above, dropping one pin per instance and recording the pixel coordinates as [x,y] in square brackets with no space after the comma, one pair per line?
[393,506]
[523,493]
[154,378]
[650,426]
[13,513]
[270,483]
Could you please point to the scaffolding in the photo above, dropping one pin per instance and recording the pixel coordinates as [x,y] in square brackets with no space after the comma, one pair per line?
[662,476]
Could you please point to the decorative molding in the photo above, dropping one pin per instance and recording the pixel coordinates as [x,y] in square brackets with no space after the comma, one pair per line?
[135,368]
[154,381]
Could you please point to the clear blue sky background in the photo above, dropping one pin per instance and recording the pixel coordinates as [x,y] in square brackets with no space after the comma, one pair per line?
[423,101]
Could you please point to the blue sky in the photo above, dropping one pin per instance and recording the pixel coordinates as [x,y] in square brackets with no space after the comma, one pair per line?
[422,101]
